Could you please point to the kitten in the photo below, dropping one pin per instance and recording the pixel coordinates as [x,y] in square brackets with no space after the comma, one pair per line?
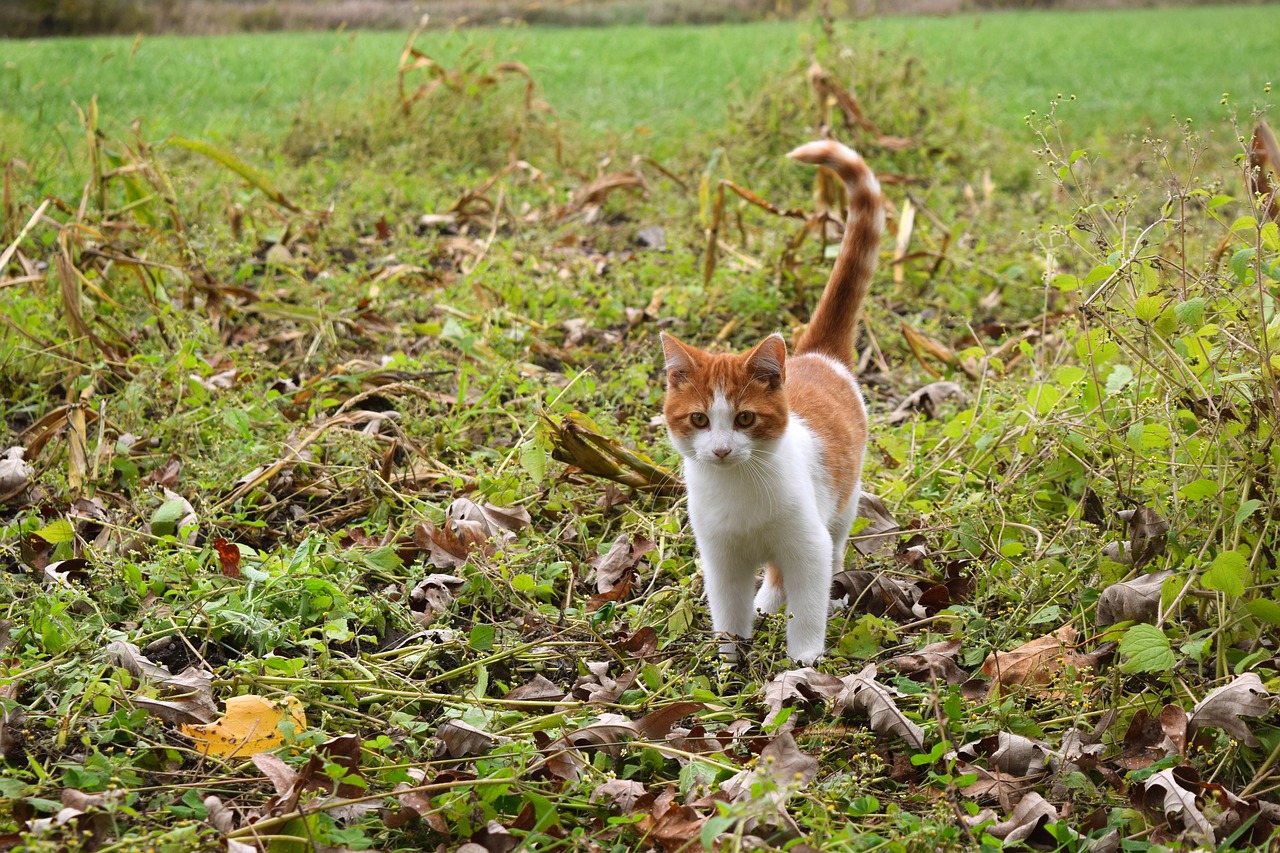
[773,446]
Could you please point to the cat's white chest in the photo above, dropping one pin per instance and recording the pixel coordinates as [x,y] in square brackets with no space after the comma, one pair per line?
[762,498]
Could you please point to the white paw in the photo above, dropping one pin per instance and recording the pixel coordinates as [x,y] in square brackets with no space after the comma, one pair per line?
[805,655]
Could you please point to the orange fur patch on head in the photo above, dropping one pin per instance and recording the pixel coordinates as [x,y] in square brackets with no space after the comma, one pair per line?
[752,383]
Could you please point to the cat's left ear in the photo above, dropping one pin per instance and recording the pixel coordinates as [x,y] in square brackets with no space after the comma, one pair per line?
[767,361]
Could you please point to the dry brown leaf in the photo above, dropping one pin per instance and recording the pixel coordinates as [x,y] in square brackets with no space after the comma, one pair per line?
[1145,742]
[863,694]
[877,593]
[474,525]
[539,689]
[343,750]
[431,595]
[1030,814]
[598,687]
[655,725]
[783,762]
[619,561]
[994,785]
[926,400]
[577,441]
[1010,753]
[461,740]
[806,685]
[932,663]
[1147,536]
[593,194]
[626,794]
[183,698]
[15,473]
[251,724]
[1136,600]
[1038,661]
[880,537]
[283,777]
[1225,707]
[1177,800]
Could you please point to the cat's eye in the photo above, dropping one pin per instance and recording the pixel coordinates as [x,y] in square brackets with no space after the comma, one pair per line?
[745,419]
[699,420]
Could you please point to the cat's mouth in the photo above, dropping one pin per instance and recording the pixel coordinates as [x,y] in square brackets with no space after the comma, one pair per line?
[729,460]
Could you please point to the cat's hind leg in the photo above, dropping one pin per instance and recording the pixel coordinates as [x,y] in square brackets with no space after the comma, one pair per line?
[806,572]
[772,595]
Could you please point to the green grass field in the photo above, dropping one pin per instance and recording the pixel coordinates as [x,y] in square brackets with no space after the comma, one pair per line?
[329,427]
[1130,70]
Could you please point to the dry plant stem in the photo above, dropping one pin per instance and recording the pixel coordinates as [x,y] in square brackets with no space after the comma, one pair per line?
[22,235]
[275,822]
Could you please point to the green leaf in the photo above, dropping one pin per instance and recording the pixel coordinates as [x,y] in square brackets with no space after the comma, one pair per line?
[1240,264]
[524,583]
[1190,312]
[1198,490]
[165,518]
[57,532]
[482,638]
[1043,398]
[1264,609]
[1227,574]
[1121,375]
[384,558]
[1065,283]
[533,459]
[712,828]
[696,773]
[1271,236]
[1146,649]
[1247,509]
[1147,308]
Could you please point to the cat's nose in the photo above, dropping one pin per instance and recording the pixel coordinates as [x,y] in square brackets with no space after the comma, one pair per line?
[721,452]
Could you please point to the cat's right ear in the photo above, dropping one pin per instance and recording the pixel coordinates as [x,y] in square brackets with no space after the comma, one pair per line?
[679,361]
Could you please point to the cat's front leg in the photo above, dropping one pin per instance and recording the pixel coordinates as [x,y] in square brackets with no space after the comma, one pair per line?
[806,576]
[730,585]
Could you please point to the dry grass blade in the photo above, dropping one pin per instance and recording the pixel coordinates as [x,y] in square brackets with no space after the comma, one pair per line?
[1264,157]
[578,442]
[22,235]
[906,224]
[594,193]
[241,168]
[828,92]
[713,233]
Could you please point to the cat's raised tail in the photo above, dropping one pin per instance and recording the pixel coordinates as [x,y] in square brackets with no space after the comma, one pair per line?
[831,329]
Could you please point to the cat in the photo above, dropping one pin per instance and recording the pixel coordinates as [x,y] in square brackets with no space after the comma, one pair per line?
[773,446]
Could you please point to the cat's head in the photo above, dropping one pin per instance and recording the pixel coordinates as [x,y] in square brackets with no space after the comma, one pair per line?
[724,409]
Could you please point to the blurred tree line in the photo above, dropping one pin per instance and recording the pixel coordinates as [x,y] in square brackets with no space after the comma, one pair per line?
[31,18]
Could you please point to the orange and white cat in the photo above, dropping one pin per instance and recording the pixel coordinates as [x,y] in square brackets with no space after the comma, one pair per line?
[773,446]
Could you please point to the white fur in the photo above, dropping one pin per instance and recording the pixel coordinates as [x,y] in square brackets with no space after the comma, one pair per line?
[765,502]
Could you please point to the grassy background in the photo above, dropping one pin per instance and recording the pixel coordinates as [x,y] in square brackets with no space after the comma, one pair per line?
[1110,320]
[1132,69]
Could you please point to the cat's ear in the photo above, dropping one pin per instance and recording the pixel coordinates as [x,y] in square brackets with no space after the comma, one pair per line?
[679,360]
[767,361]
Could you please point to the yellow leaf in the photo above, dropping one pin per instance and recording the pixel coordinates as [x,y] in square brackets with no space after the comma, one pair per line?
[251,724]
